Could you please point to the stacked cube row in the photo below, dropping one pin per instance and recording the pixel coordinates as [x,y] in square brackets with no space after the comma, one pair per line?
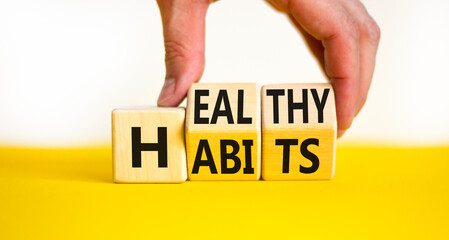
[223,135]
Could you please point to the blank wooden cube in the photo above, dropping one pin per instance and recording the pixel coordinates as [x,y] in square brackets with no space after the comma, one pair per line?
[298,131]
[148,145]
[223,131]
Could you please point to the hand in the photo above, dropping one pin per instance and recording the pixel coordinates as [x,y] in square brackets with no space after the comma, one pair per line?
[340,33]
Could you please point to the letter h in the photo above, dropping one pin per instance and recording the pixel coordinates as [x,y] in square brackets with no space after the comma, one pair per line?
[160,147]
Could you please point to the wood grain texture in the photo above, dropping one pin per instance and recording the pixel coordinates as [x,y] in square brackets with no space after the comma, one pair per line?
[149,120]
[232,139]
[310,139]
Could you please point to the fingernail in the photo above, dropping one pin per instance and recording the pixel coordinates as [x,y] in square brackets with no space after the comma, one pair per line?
[167,92]
[340,133]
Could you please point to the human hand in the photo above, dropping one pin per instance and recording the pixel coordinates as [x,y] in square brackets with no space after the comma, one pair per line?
[340,33]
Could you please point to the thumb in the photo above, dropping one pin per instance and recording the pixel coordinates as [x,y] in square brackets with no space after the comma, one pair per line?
[184,26]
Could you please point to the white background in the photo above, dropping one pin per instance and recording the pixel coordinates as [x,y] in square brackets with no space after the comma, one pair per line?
[65,64]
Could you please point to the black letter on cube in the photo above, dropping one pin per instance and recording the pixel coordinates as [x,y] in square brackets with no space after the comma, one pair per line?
[233,156]
[298,105]
[307,154]
[160,147]
[204,146]
[286,153]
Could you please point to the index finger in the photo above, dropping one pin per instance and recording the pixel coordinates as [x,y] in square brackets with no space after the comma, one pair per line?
[329,22]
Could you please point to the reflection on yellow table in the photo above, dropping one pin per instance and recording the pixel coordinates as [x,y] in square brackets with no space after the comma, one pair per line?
[378,192]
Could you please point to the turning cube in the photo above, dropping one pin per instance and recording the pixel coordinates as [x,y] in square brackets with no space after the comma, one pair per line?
[148,145]
[299,131]
[223,131]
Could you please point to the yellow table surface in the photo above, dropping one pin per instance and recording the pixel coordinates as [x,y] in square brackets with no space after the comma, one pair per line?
[378,192]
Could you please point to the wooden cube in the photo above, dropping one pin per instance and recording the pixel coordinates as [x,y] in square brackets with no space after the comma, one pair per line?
[223,131]
[299,131]
[148,145]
